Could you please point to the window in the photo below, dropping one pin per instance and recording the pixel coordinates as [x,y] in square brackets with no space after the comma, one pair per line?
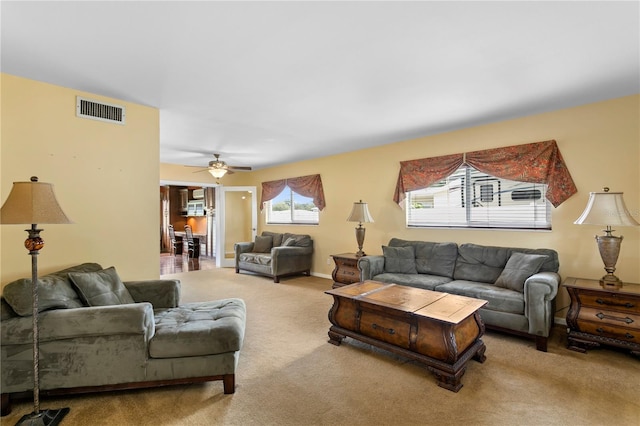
[304,211]
[469,198]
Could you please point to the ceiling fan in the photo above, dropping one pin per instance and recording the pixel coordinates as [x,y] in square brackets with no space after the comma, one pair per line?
[219,168]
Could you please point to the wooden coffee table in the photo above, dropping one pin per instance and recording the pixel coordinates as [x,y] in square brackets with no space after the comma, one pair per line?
[440,330]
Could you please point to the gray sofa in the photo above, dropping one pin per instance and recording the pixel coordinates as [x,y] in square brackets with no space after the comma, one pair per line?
[98,334]
[275,255]
[520,284]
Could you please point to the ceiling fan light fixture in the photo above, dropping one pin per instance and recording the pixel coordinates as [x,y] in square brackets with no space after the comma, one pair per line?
[217,173]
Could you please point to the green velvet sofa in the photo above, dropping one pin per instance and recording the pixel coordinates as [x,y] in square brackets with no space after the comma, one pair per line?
[275,255]
[520,284]
[98,333]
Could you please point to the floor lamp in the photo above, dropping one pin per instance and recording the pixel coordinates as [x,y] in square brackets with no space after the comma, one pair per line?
[32,203]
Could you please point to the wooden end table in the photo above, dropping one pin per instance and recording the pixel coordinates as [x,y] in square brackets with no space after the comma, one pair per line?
[603,315]
[346,270]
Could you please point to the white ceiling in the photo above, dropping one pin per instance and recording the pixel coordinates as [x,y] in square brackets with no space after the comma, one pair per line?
[267,83]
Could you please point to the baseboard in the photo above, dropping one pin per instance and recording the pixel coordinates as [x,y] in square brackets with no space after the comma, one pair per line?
[315,274]
[560,321]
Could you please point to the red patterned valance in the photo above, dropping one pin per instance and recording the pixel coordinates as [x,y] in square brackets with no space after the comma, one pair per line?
[539,162]
[308,186]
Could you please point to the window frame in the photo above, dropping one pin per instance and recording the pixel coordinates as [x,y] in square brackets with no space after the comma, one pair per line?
[268,206]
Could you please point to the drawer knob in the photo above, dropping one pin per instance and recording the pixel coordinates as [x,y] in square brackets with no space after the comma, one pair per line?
[608,302]
[388,330]
[611,317]
[626,335]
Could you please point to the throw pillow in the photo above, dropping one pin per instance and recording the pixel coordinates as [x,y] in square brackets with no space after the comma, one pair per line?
[519,267]
[400,260]
[263,244]
[101,288]
[53,293]
[289,242]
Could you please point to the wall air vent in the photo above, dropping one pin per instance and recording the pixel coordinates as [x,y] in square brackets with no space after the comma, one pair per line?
[94,110]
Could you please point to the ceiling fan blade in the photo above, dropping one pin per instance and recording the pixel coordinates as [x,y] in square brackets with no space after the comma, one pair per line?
[199,167]
[238,168]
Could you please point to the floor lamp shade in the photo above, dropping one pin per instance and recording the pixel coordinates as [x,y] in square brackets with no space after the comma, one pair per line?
[360,213]
[607,209]
[32,203]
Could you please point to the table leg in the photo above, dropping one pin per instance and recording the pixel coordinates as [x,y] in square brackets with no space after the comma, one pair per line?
[335,338]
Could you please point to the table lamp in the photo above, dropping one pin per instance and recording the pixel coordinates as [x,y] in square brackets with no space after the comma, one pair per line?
[360,213]
[607,209]
[32,203]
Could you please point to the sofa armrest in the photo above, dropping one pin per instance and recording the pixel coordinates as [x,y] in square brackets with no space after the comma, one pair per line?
[239,248]
[540,291]
[290,259]
[370,266]
[160,293]
[242,248]
[288,251]
[59,324]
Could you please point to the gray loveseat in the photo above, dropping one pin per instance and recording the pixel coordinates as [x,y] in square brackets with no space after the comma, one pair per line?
[275,255]
[98,334]
[520,284]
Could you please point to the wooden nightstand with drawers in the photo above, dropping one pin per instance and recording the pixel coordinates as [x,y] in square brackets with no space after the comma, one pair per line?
[603,315]
[346,270]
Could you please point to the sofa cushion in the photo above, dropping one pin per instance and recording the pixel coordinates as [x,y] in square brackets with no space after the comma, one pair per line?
[399,260]
[436,258]
[83,267]
[257,258]
[500,299]
[199,329]
[101,288]
[480,263]
[263,244]
[302,240]
[289,242]
[552,264]
[277,237]
[54,292]
[519,267]
[431,258]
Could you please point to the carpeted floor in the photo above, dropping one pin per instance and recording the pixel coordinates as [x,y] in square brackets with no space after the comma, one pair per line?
[289,375]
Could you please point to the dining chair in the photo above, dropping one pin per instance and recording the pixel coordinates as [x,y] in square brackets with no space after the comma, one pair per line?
[175,244]
[189,240]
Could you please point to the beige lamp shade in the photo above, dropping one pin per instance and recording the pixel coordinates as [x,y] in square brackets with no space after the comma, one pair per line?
[360,213]
[32,202]
[606,208]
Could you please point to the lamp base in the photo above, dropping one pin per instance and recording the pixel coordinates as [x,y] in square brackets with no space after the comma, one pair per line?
[611,281]
[609,247]
[43,418]
[360,240]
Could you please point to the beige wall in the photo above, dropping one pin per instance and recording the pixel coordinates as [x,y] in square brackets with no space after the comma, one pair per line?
[599,142]
[105,177]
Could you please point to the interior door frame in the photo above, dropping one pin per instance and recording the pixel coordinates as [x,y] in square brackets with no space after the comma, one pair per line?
[221,261]
[221,258]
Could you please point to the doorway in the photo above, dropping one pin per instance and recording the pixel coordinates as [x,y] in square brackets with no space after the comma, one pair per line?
[237,220]
[231,216]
